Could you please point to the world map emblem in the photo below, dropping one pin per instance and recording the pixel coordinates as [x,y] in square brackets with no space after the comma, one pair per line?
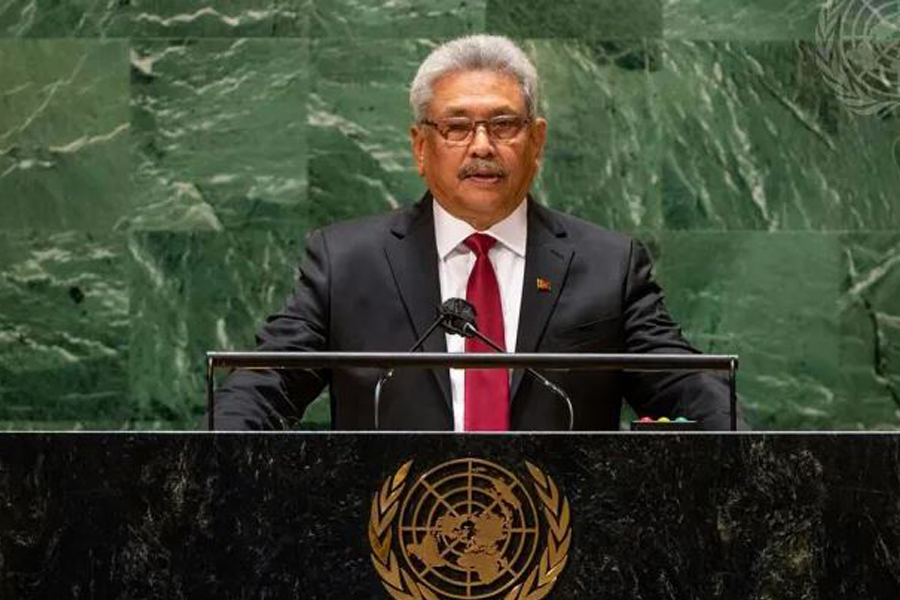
[858,53]
[469,529]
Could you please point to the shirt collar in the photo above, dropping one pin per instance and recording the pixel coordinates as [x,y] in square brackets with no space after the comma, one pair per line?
[450,232]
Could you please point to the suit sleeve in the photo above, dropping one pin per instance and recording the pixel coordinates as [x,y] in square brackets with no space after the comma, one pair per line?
[269,399]
[702,396]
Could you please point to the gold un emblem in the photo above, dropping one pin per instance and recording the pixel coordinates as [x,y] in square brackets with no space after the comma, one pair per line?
[470,529]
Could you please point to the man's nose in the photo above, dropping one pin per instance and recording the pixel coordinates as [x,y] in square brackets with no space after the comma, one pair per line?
[481,144]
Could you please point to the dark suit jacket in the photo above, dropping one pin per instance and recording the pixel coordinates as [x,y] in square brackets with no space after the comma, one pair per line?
[372,285]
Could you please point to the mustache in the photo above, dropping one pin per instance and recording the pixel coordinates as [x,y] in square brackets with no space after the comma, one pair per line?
[481,166]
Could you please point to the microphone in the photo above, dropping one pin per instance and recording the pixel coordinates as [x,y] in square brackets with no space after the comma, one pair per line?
[445,309]
[459,319]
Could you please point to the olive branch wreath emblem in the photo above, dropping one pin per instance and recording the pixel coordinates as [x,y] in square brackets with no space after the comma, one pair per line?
[537,583]
[862,71]
[863,78]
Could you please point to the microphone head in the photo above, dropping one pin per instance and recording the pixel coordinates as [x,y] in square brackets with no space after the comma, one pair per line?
[458,317]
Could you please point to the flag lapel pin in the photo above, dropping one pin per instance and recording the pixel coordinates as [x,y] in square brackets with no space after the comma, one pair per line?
[543,285]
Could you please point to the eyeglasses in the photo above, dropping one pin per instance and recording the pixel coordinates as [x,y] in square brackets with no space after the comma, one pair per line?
[461,130]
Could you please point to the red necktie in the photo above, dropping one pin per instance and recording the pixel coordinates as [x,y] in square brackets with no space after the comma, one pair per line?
[487,390]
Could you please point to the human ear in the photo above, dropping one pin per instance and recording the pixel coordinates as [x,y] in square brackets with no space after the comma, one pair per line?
[539,137]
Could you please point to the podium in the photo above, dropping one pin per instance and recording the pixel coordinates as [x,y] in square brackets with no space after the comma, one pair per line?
[387,361]
[290,515]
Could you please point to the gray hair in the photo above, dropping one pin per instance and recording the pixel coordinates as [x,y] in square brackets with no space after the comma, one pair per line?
[474,53]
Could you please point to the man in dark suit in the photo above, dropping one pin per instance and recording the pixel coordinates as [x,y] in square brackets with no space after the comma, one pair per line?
[540,281]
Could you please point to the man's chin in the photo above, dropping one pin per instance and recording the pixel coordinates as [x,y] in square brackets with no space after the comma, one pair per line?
[484,201]
[477,192]
[482,209]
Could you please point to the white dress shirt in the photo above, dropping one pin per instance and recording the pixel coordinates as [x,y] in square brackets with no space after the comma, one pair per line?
[455,262]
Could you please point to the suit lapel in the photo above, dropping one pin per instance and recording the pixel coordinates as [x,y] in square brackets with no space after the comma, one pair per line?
[412,254]
[547,258]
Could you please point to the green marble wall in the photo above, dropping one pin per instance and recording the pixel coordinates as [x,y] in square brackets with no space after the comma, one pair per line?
[161,161]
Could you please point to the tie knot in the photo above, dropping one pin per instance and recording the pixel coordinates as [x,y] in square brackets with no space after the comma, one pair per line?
[480,243]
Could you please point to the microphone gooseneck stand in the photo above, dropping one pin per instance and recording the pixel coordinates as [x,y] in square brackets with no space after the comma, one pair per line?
[460,320]
[450,309]
[390,372]
[470,329]
[457,316]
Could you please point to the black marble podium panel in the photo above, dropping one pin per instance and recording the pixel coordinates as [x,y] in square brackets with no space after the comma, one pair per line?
[169,516]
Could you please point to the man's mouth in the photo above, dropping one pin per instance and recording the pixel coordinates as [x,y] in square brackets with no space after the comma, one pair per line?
[484,177]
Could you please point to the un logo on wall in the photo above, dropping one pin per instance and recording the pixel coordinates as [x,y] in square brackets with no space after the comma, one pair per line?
[469,529]
[858,52]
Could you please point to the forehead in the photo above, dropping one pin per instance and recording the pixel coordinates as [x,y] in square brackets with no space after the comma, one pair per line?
[476,93]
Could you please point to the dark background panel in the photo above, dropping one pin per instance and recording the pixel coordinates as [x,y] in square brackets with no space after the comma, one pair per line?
[285,515]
